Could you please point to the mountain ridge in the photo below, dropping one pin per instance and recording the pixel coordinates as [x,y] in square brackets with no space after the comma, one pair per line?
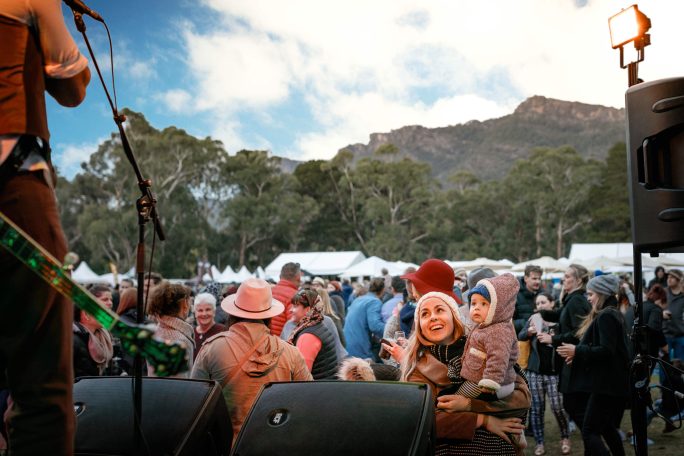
[489,148]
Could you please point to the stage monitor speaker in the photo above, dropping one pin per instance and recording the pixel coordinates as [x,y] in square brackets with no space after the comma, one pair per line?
[655,126]
[179,417]
[339,418]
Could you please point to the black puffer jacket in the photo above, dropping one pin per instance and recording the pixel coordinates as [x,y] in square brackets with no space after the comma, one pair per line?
[325,364]
[524,306]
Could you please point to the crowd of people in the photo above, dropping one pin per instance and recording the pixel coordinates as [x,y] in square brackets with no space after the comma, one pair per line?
[492,347]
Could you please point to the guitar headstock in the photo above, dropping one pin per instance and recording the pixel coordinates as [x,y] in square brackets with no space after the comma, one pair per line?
[166,358]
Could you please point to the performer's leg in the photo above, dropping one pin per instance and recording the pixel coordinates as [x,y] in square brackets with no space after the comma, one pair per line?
[35,329]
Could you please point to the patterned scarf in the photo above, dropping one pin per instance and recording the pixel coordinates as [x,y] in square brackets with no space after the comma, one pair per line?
[451,356]
[313,317]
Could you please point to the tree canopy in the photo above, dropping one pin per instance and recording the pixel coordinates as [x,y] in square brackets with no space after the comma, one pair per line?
[242,209]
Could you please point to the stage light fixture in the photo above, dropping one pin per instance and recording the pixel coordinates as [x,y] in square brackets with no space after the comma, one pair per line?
[629,25]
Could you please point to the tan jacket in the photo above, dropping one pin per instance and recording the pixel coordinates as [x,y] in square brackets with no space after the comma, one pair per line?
[274,360]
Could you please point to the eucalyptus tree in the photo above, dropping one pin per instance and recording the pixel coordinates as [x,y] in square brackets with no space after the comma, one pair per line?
[264,211]
[182,170]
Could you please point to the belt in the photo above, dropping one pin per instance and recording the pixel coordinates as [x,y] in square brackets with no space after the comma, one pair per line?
[26,144]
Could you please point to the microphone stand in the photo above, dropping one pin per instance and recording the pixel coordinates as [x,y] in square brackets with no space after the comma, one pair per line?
[640,368]
[147,210]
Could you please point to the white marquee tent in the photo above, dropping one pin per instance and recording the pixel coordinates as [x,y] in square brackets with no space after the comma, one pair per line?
[622,253]
[243,274]
[481,262]
[316,263]
[373,266]
[547,264]
[84,274]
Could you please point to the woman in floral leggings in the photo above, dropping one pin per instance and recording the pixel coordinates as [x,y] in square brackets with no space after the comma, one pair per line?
[543,371]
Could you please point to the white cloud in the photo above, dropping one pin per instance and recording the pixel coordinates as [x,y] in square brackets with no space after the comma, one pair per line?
[353,118]
[362,67]
[228,131]
[68,157]
[177,100]
[142,70]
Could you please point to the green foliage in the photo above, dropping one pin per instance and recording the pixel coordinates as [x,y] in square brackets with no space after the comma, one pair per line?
[541,207]
[610,201]
[243,209]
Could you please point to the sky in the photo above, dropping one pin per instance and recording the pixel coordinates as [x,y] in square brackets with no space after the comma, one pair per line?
[305,78]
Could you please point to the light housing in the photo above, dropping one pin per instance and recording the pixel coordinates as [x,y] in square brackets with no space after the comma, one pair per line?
[628,25]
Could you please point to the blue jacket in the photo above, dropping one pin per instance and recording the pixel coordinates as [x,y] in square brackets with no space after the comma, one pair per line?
[364,319]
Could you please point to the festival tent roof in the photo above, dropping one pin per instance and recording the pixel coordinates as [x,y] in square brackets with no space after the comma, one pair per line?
[109,278]
[607,249]
[260,273]
[622,251]
[403,265]
[601,263]
[243,274]
[227,276]
[372,266]
[83,274]
[547,264]
[214,276]
[482,263]
[316,263]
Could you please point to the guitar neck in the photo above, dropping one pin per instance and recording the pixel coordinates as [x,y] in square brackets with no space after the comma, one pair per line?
[40,261]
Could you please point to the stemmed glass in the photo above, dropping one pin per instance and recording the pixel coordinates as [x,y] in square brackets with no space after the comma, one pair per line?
[400,338]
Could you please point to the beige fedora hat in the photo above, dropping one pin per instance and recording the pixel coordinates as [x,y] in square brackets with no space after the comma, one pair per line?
[253,301]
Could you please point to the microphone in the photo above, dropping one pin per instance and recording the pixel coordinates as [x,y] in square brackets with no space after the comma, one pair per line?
[77,6]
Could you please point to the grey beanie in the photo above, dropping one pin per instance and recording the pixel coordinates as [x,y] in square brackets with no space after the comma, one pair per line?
[478,274]
[606,284]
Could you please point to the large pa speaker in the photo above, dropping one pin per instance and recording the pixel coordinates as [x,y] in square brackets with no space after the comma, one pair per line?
[655,126]
[339,418]
[179,417]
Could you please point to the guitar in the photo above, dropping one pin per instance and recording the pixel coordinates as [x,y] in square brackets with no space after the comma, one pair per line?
[166,358]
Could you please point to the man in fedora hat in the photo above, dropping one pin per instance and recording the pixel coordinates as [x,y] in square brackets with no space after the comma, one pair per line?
[247,356]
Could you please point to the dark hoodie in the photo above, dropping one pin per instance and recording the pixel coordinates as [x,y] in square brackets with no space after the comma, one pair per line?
[524,306]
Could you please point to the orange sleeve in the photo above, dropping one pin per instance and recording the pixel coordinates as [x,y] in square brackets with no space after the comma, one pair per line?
[309,346]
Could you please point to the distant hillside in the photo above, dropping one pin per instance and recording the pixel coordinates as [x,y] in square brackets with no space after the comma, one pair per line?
[490,148]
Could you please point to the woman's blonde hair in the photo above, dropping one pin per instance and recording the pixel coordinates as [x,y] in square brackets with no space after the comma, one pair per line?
[589,318]
[415,347]
[582,274]
[325,303]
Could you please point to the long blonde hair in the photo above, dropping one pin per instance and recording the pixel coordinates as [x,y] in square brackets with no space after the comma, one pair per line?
[325,302]
[588,319]
[415,347]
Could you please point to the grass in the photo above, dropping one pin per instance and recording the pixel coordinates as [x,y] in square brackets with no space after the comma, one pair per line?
[671,444]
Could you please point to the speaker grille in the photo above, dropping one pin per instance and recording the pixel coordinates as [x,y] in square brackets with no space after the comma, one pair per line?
[338,418]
